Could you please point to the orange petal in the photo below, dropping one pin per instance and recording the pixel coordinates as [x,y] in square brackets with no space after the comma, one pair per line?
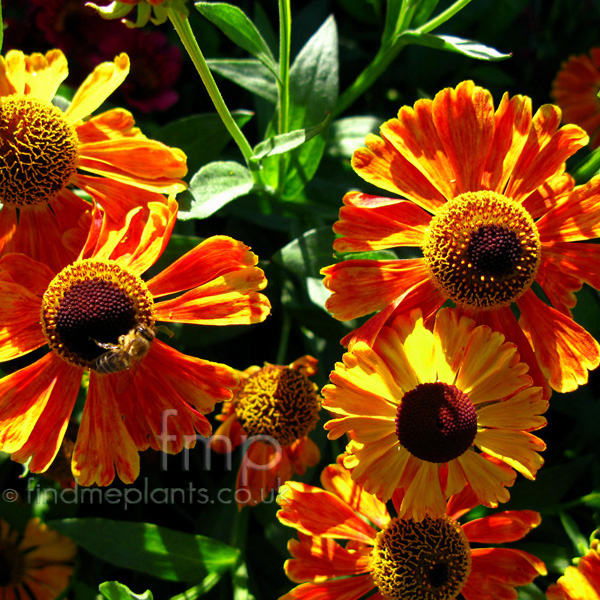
[201,382]
[574,219]
[512,122]
[97,87]
[265,467]
[103,443]
[303,453]
[549,194]
[564,349]
[314,511]
[362,286]
[546,149]
[502,527]
[212,258]
[24,395]
[8,228]
[317,559]
[12,82]
[382,165]
[373,223]
[461,503]
[573,260]
[231,299]
[338,480]
[112,124]
[464,120]
[20,330]
[45,439]
[351,588]
[32,275]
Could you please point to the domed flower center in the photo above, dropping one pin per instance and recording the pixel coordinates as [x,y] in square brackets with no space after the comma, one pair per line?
[421,560]
[280,402]
[436,422]
[482,250]
[90,307]
[38,151]
[12,564]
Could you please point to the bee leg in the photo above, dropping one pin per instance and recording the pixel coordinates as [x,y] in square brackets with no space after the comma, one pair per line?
[105,345]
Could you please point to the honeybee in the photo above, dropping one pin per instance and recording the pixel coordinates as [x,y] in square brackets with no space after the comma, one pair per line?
[127,352]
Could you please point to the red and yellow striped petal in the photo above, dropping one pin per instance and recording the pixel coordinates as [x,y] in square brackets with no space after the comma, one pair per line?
[564,350]
[212,258]
[104,446]
[316,512]
[351,588]
[374,223]
[24,395]
[318,559]
[502,527]
[363,286]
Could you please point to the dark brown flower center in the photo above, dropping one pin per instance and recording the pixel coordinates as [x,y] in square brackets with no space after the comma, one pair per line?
[436,422]
[38,151]
[90,303]
[280,402]
[482,250]
[421,560]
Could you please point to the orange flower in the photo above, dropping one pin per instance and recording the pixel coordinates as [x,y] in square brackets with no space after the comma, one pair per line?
[45,152]
[98,315]
[486,198]
[431,411]
[36,565]
[581,582]
[575,89]
[271,414]
[400,558]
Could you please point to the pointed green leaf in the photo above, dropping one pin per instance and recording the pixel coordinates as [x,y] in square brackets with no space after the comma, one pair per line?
[279,144]
[248,73]
[199,590]
[313,93]
[234,23]
[215,185]
[450,43]
[148,548]
[1,28]
[113,590]
[348,134]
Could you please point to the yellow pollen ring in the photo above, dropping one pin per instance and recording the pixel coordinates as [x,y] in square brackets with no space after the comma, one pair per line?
[99,300]
[278,401]
[421,560]
[482,250]
[39,151]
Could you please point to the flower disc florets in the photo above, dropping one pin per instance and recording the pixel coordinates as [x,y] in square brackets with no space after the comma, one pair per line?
[421,560]
[280,402]
[38,151]
[436,422]
[482,250]
[92,302]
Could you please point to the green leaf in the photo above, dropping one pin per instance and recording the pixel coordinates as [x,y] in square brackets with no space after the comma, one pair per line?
[279,144]
[148,548]
[313,93]
[113,590]
[579,541]
[234,23]
[215,185]
[249,74]
[587,168]
[201,136]
[199,590]
[308,254]
[348,134]
[450,43]
[1,28]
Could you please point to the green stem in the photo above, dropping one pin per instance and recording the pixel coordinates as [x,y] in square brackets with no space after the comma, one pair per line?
[284,339]
[183,29]
[388,53]
[443,16]
[285,33]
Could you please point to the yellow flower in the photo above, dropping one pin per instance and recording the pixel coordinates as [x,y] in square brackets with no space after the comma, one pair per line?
[430,411]
[36,565]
